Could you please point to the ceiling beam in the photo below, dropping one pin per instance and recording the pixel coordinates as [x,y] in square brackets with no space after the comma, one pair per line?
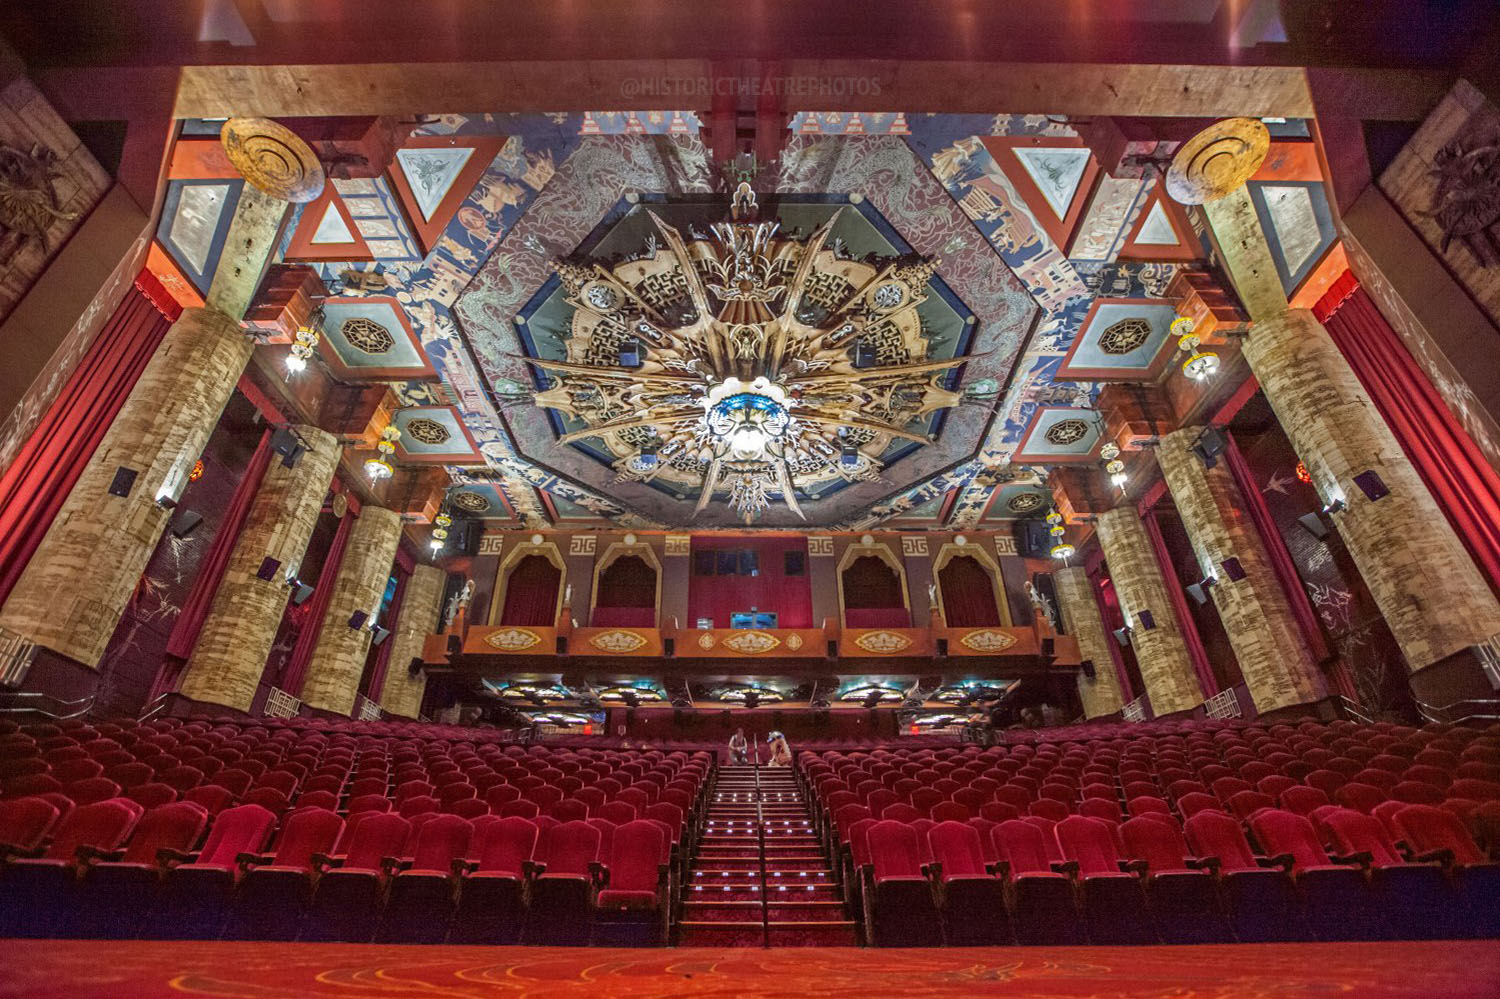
[1074,89]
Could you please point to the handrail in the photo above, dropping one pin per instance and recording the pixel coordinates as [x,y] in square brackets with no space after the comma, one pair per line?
[1355,709]
[154,706]
[87,704]
[1439,712]
[760,835]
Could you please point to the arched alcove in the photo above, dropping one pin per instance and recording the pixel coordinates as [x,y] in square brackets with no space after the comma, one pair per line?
[968,594]
[531,592]
[627,588]
[873,589]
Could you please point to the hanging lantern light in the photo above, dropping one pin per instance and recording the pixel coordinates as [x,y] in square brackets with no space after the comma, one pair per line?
[440,531]
[305,342]
[1060,548]
[379,467]
[1200,364]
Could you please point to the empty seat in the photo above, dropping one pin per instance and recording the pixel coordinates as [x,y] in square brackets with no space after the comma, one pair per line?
[898,903]
[1044,910]
[561,890]
[1181,892]
[970,898]
[346,902]
[276,888]
[31,887]
[194,895]
[115,887]
[1260,902]
[633,904]
[491,905]
[1114,903]
[1413,900]
[1435,834]
[1336,899]
[421,895]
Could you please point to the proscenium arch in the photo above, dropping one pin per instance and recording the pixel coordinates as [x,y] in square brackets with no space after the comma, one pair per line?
[952,550]
[613,553]
[882,551]
[549,551]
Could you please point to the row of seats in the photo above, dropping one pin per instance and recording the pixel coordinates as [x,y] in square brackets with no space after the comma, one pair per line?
[1172,778]
[364,836]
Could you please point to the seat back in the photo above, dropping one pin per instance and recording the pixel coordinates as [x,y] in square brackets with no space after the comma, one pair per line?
[439,842]
[25,821]
[104,825]
[618,812]
[1212,833]
[1302,799]
[1287,832]
[894,850]
[1090,843]
[305,832]
[174,826]
[1427,828]
[1021,844]
[504,845]
[956,846]
[570,847]
[242,829]
[949,811]
[635,856]
[377,835]
[1354,832]
[1159,843]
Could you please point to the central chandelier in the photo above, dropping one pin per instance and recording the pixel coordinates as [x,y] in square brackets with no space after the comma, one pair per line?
[745,364]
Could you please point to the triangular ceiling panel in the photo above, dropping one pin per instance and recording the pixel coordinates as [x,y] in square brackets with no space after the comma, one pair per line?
[433,174]
[1161,232]
[326,232]
[1055,176]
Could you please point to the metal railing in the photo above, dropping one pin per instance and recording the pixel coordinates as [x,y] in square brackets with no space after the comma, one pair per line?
[1224,704]
[15,658]
[1135,711]
[365,709]
[18,702]
[1468,709]
[760,837]
[1355,710]
[280,704]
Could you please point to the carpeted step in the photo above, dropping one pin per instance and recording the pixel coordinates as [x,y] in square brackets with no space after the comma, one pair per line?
[714,934]
[812,934]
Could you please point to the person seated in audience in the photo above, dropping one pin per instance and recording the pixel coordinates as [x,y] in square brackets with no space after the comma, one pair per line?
[781,753]
[739,747]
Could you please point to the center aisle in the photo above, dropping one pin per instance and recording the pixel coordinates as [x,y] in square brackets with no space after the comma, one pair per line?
[741,893]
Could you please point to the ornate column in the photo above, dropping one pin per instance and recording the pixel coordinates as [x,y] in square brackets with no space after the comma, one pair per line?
[1279,671]
[402,693]
[236,639]
[74,590]
[1101,694]
[1420,576]
[339,658]
[1160,650]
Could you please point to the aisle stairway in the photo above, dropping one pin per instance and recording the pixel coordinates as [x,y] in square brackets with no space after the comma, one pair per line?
[736,895]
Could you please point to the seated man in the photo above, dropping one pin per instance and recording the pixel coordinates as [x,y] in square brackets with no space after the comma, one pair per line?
[739,747]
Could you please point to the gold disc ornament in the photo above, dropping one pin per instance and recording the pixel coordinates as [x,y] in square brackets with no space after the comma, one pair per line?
[1218,160]
[273,158]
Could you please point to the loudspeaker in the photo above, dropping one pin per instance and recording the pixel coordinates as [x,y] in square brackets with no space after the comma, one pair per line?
[286,444]
[1372,485]
[794,563]
[185,523]
[1049,647]
[1233,569]
[380,635]
[415,666]
[630,353]
[1197,592]
[1148,622]
[749,562]
[301,595]
[268,567]
[1032,539]
[1313,524]
[467,541]
[1209,445]
[864,355]
[942,648]
[358,619]
[123,482]
[1088,668]
[455,644]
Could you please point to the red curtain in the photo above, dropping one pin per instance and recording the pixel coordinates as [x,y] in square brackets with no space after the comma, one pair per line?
[1196,653]
[392,618]
[968,595]
[315,609]
[872,595]
[531,593]
[627,595]
[216,560]
[1465,485]
[48,465]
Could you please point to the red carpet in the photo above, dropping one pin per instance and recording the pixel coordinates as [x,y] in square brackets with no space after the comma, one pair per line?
[84,969]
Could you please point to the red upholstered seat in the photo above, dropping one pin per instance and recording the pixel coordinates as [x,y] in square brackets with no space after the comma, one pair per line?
[31,888]
[618,812]
[491,904]
[193,897]
[898,901]
[1182,896]
[1114,903]
[24,822]
[1045,909]
[276,889]
[637,883]
[560,894]
[1338,902]
[1413,900]
[346,902]
[971,900]
[421,898]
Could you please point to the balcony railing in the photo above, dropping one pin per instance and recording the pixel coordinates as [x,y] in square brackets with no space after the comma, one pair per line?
[365,709]
[1135,711]
[280,704]
[1224,704]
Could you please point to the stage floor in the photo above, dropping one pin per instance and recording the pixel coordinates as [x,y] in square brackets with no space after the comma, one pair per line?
[83,969]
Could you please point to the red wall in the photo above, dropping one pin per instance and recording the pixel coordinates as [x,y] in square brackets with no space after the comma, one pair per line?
[716,597]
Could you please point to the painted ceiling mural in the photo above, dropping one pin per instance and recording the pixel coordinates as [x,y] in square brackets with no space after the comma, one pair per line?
[1047,278]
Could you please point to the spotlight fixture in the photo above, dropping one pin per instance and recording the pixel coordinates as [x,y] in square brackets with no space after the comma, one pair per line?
[286,442]
[379,635]
[1122,635]
[1209,445]
[1313,524]
[301,594]
[1199,590]
[379,467]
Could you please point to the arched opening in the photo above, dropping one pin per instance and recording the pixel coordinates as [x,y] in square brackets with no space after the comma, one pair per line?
[626,594]
[531,593]
[968,594]
[873,597]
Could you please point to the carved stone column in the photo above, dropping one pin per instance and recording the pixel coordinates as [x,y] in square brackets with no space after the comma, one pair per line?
[74,590]
[236,639]
[1424,582]
[339,658]
[1101,694]
[1278,669]
[1161,651]
[1420,576]
[402,694]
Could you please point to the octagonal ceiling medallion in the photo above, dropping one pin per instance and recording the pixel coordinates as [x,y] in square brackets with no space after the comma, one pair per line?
[746,365]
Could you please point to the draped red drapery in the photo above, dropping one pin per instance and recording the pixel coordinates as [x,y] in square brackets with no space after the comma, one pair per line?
[316,608]
[872,595]
[33,488]
[1465,485]
[968,595]
[531,593]
[627,595]
[216,560]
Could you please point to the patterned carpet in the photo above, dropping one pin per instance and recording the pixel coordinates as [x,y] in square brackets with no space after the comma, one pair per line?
[85,969]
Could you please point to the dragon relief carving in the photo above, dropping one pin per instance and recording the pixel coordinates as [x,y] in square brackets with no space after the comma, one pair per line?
[28,200]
